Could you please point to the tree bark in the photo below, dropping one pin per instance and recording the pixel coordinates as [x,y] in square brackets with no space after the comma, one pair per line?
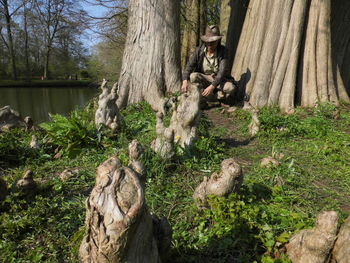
[119,225]
[232,17]
[151,61]
[107,113]
[341,250]
[285,49]
[195,23]
[314,245]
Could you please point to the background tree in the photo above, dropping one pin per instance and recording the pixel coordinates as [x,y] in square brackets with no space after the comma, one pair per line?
[36,25]
[8,11]
[287,57]
[106,56]
[106,60]
[56,16]
[151,61]
[195,21]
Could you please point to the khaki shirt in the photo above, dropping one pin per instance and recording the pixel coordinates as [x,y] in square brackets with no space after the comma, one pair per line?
[210,63]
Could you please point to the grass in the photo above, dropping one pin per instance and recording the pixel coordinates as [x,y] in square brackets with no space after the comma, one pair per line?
[43,83]
[251,226]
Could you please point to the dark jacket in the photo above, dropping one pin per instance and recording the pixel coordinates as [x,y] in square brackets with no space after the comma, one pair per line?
[196,62]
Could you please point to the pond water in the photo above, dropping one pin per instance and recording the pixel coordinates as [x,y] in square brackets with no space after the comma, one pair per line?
[39,102]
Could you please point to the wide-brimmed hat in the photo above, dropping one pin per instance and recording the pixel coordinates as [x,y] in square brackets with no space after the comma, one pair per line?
[212,33]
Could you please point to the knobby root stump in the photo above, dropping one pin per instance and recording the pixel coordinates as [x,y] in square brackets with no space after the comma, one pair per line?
[314,245]
[341,251]
[10,118]
[119,225]
[107,113]
[269,162]
[27,183]
[183,124]
[229,180]
[164,143]
[135,152]
[186,116]
[34,143]
[254,126]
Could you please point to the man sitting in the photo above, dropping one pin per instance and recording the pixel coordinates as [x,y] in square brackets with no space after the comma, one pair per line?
[208,68]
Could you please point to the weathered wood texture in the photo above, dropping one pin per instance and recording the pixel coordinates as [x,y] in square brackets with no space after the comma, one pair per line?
[10,118]
[314,245]
[229,180]
[285,54]
[107,113]
[341,251]
[151,60]
[119,225]
[183,125]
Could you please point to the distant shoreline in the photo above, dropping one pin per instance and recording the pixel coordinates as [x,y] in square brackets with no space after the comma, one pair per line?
[47,84]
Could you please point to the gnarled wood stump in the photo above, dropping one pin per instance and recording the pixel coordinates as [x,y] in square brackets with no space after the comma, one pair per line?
[314,245]
[254,126]
[186,116]
[229,180]
[107,113]
[10,118]
[135,152]
[27,183]
[164,143]
[341,251]
[183,124]
[119,225]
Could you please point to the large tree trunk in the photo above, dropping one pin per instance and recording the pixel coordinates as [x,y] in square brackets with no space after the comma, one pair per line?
[195,23]
[151,61]
[232,17]
[284,50]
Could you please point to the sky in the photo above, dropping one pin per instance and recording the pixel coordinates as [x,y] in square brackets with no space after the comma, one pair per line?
[91,38]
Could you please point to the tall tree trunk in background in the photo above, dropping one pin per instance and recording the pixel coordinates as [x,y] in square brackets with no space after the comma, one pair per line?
[231,22]
[47,63]
[340,38]
[285,49]
[195,23]
[26,45]
[151,61]
[10,39]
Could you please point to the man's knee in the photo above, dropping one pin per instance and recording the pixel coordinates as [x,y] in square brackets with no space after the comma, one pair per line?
[195,77]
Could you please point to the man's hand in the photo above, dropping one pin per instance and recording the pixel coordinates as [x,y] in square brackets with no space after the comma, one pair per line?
[184,87]
[209,90]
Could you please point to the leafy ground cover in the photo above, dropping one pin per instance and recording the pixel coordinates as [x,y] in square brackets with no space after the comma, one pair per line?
[314,175]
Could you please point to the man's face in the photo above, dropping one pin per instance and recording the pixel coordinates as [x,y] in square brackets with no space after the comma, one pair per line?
[211,45]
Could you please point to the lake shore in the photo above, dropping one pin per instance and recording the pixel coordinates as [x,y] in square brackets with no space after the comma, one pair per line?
[47,83]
